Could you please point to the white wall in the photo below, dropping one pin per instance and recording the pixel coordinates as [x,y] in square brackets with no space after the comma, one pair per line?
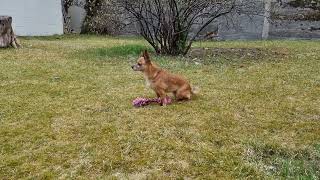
[34,17]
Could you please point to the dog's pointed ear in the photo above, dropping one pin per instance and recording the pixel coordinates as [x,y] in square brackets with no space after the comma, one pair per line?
[146,56]
[10,20]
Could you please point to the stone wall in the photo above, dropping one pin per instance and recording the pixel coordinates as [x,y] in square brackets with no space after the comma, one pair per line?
[286,22]
[291,22]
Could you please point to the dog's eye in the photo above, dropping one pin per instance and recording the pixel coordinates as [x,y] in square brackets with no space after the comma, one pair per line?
[139,64]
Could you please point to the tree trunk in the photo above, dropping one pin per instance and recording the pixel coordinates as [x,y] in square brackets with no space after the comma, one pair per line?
[66,18]
[7,36]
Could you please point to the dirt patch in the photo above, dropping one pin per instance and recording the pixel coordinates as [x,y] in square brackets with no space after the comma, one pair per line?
[239,53]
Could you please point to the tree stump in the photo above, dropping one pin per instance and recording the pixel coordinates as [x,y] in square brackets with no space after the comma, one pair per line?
[7,36]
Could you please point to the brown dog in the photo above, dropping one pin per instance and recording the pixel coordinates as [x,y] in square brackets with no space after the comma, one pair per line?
[163,82]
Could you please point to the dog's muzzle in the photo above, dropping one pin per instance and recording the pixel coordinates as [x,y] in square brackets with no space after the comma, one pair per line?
[136,68]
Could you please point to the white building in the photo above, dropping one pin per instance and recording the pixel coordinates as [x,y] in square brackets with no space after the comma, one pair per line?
[34,17]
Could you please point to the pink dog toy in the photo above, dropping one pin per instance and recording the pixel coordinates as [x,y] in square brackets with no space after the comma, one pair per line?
[140,102]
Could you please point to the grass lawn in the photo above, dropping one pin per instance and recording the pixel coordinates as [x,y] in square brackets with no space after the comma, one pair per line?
[65,111]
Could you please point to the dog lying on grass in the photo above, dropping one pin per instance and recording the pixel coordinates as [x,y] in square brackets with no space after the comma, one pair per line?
[163,82]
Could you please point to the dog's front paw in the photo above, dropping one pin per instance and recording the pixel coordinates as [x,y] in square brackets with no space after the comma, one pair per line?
[165,101]
[163,104]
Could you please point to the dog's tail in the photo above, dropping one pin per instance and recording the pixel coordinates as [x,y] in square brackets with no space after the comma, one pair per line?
[195,90]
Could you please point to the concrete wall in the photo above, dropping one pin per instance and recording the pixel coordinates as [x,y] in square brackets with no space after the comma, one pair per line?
[242,27]
[77,15]
[246,27]
[34,17]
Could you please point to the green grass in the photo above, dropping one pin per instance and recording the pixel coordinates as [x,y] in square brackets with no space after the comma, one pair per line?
[65,112]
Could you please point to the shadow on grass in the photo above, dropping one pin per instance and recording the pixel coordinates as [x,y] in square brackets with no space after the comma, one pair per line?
[52,38]
[116,51]
[229,56]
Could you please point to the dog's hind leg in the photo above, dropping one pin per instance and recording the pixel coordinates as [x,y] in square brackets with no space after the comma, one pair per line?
[183,93]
